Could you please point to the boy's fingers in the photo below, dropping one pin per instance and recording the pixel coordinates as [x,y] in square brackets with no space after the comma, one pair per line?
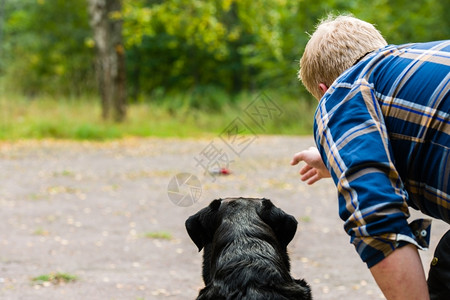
[313,179]
[308,175]
[298,157]
[305,169]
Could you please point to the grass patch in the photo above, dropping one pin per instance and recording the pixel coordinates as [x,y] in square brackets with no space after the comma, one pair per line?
[64,173]
[54,278]
[160,235]
[37,197]
[41,232]
[305,219]
[170,116]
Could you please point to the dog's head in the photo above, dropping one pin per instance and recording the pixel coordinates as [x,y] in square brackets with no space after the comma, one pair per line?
[245,256]
[202,226]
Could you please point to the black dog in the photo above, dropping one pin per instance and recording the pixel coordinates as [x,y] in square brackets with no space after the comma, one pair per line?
[245,254]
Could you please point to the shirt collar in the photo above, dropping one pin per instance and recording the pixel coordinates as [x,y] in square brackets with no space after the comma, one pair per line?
[359,59]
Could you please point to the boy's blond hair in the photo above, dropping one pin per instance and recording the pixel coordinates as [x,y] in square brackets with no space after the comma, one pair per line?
[335,46]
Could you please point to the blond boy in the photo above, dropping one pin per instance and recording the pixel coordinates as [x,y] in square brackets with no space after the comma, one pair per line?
[382,129]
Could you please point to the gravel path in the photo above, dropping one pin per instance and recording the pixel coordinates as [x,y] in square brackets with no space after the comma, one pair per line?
[102,212]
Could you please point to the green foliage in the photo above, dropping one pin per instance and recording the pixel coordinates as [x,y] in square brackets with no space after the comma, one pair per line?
[198,43]
[403,21]
[92,132]
[183,54]
[79,118]
[45,46]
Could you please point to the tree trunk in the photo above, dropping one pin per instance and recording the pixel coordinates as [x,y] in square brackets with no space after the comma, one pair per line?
[110,62]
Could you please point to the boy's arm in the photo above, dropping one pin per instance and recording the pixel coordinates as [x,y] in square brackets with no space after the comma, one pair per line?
[401,276]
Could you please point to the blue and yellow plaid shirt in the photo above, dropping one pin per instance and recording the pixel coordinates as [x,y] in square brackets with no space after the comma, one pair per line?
[383,131]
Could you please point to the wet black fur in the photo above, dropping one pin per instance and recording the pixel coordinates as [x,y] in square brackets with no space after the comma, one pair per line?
[245,254]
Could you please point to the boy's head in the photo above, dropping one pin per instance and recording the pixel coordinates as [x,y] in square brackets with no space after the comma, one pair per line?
[335,46]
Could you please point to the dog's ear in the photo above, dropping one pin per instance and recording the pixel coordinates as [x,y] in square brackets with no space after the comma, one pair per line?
[283,225]
[202,225]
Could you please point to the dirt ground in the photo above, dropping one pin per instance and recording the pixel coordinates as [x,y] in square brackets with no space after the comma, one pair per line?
[93,209]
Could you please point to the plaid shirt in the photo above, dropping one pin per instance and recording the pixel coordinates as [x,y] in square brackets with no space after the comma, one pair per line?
[383,131]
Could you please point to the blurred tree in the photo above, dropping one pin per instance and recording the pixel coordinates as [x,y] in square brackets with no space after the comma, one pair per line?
[197,47]
[193,43]
[46,47]
[404,21]
[2,10]
[106,22]
[230,44]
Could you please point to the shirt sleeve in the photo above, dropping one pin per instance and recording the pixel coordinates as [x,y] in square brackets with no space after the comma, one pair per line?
[351,136]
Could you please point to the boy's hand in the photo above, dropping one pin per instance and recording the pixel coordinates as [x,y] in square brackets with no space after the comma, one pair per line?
[314,170]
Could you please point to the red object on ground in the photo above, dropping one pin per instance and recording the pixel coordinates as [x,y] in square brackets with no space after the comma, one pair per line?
[221,171]
[225,171]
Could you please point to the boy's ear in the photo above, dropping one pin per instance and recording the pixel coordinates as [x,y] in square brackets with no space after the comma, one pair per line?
[201,226]
[323,88]
[283,225]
